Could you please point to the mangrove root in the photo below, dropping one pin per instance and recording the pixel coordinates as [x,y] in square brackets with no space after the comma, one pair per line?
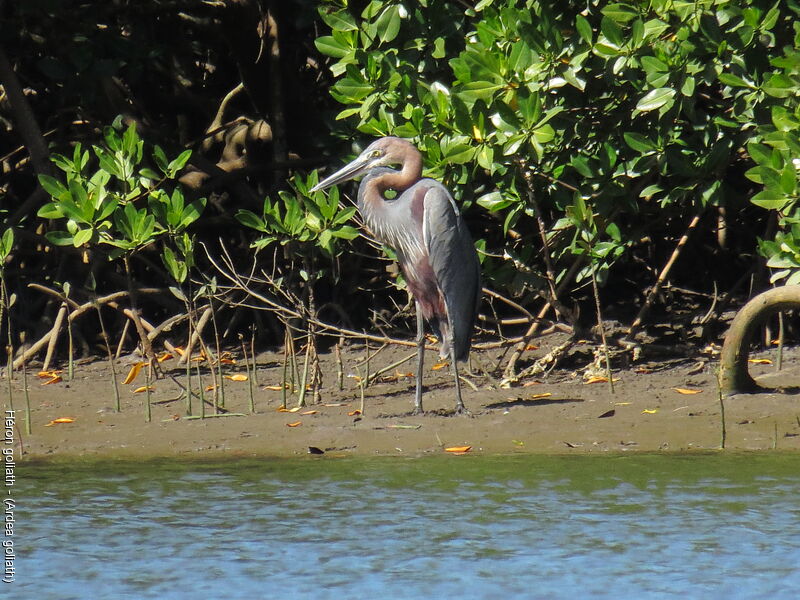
[733,373]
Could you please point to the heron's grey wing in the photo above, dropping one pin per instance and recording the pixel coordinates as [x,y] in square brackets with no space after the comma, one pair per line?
[455,263]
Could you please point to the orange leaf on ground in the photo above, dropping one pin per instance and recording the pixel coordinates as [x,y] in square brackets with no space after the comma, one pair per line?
[309,412]
[143,388]
[55,379]
[336,404]
[295,424]
[440,365]
[227,361]
[180,350]
[211,387]
[282,409]
[598,379]
[236,377]
[60,421]
[542,395]
[458,449]
[648,411]
[164,356]
[272,387]
[354,413]
[687,391]
[531,347]
[759,361]
[133,372]
[530,383]
[48,374]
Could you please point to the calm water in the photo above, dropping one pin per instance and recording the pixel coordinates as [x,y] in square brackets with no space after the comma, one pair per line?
[447,527]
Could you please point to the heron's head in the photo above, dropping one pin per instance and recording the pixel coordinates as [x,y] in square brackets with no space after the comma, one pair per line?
[384,152]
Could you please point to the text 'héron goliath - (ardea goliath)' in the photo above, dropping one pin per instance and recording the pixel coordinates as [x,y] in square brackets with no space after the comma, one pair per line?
[423,226]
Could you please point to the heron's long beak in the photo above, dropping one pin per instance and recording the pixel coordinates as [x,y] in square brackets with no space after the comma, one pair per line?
[350,171]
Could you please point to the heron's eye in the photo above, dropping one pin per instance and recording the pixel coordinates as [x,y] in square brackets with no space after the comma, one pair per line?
[375,153]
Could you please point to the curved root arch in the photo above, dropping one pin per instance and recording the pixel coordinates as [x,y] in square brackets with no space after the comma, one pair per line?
[733,373]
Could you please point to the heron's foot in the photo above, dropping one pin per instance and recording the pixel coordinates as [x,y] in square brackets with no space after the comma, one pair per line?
[462,411]
[417,411]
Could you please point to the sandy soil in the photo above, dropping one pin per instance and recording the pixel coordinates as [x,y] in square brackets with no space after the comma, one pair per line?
[559,413]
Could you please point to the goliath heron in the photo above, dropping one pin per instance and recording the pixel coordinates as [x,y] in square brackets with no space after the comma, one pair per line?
[423,226]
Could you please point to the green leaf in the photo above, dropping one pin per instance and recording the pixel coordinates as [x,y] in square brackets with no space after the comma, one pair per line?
[388,23]
[770,199]
[639,142]
[6,243]
[51,210]
[59,238]
[53,186]
[83,236]
[612,31]
[655,99]
[584,29]
[733,80]
[620,13]
[179,162]
[329,46]
[250,219]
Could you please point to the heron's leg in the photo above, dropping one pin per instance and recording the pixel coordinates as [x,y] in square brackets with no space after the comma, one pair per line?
[420,358]
[460,409]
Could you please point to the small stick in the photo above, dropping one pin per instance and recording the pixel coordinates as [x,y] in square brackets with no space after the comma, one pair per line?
[122,338]
[219,361]
[249,376]
[285,365]
[110,360]
[339,365]
[602,327]
[253,354]
[301,398]
[51,346]
[147,409]
[365,381]
[653,293]
[202,393]
[723,433]
[779,358]
[28,423]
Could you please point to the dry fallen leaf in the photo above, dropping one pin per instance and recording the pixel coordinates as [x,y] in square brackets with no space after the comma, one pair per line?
[530,383]
[236,377]
[282,409]
[598,379]
[458,449]
[649,411]
[164,356]
[133,372]
[295,424]
[542,395]
[759,361]
[273,387]
[531,347]
[180,350]
[439,365]
[687,391]
[211,387]
[48,374]
[622,403]
[143,388]
[60,421]
[227,361]
[55,379]
[336,404]
[309,412]
[354,413]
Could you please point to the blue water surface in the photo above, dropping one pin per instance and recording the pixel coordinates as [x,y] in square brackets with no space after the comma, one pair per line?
[710,526]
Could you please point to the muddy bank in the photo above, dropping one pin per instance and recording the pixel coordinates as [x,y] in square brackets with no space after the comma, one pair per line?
[556,414]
